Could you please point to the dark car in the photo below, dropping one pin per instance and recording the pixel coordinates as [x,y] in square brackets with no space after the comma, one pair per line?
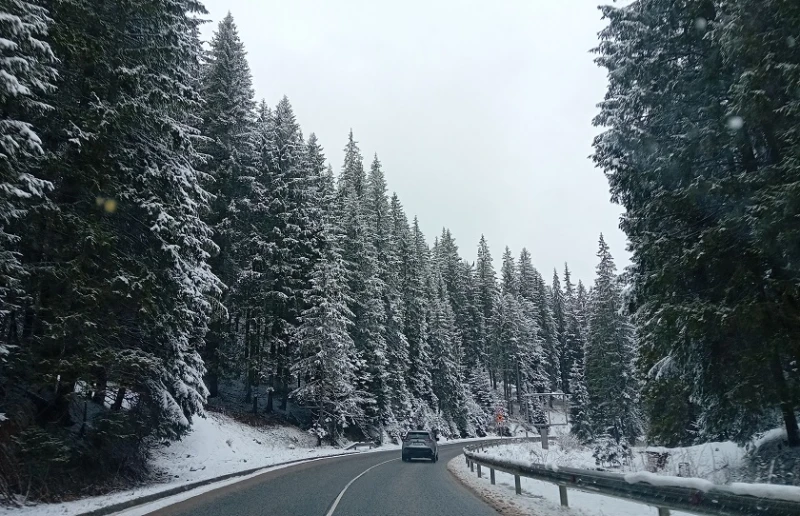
[420,444]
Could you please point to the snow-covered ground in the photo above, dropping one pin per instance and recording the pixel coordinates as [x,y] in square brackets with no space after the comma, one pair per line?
[716,462]
[542,498]
[217,445]
[533,452]
[700,467]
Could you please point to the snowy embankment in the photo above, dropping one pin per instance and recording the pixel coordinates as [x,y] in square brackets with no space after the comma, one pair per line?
[700,467]
[542,498]
[217,445]
[717,462]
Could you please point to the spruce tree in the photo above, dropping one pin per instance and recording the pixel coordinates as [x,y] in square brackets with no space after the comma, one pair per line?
[381,213]
[119,267]
[549,334]
[486,291]
[559,305]
[228,126]
[610,379]
[534,365]
[509,282]
[292,242]
[446,357]
[415,267]
[28,63]
[364,282]
[579,410]
[706,184]
[329,361]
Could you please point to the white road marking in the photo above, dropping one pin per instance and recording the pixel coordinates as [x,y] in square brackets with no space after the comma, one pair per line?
[339,498]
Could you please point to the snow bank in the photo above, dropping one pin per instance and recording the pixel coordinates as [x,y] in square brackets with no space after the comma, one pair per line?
[217,445]
[776,434]
[718,462]
[790,493]
[532,453]
[665,480]
[542,498]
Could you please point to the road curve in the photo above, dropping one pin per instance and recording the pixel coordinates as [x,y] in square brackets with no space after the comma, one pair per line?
[394,488]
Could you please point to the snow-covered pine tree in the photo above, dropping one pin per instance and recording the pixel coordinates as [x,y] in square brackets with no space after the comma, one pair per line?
[364,282]
[582,310]
[693,180]
[505,344]
[472,324]
[534,366]
[28,66]
[446,357]
[509,281]
[121,281]
[580,418]
[228,126]
[559,306]
[548,332]
[382,217]
[526,276]
[329,361]
[486,291]
[610,378]
[27,62]
[456,282]
[292,241]
[414,271]
[575,334]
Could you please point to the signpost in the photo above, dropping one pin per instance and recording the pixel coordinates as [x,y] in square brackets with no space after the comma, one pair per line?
[500,419]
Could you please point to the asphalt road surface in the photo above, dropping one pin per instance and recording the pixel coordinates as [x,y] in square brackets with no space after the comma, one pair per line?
[390,487]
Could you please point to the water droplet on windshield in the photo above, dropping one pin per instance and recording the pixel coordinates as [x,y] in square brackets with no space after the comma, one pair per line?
[735,122]
[700,23]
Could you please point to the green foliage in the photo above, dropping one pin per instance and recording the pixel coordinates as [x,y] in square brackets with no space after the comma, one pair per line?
[701,149]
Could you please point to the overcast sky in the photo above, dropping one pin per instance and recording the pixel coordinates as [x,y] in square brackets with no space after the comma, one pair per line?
[479,111]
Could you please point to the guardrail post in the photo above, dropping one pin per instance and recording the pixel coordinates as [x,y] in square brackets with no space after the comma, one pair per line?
[479,471]
[491,475]
[663,512]
[517,485]
[562,492]
[471,466]
[467,459]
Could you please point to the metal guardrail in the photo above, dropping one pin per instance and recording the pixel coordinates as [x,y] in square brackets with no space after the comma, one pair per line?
[718,500]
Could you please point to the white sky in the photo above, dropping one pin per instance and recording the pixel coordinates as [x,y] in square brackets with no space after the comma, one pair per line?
[479,111]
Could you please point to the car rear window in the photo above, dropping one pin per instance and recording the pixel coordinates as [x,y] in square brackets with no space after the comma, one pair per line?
[419,435]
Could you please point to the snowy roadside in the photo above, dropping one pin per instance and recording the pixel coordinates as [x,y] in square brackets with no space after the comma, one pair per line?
[541,498]
[217,446]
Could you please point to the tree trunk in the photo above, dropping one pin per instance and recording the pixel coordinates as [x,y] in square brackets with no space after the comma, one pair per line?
[270,407]
[787,407]
[117,406]
[519,388]
[212,363]
[248,356]
[284,388]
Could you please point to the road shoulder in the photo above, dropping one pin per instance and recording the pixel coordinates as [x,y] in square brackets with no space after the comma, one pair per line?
[500,497]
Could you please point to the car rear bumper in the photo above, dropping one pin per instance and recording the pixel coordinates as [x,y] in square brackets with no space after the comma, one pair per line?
[418,453]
